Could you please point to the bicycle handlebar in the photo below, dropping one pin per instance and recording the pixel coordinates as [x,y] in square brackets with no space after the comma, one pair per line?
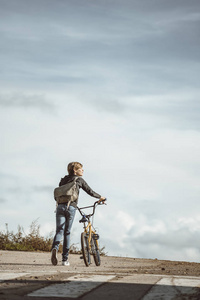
[94,207]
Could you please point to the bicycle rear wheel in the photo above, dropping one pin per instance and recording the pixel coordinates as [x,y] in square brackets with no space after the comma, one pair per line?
[95,251]
[85,249]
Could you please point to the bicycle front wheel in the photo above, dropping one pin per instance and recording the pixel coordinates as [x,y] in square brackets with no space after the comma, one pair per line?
[95,251]
[85,249]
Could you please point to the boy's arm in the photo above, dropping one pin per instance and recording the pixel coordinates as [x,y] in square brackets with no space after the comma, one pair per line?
[88,189]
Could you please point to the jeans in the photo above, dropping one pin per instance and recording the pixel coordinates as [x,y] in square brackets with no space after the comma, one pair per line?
[64,220]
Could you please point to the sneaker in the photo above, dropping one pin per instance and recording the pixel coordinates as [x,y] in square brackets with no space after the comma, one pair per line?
[54,259]
[65,263]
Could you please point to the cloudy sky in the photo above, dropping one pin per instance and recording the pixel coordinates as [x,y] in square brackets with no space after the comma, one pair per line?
[115,85]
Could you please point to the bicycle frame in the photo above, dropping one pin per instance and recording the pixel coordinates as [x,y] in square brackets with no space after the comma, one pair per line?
[89,229]
[86,218]
[89,243]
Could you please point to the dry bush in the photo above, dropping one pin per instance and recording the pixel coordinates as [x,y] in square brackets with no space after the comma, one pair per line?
[32,241]
[21,242]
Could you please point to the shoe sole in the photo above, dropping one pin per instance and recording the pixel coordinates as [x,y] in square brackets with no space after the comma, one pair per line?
[54,257]
[66,265]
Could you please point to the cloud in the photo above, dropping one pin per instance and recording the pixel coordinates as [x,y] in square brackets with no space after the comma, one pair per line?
[164,239]
[121,81]
[2,200]
[107,105]
[176,110]
[52,38]
[23,100]
[43,189]
[16,186]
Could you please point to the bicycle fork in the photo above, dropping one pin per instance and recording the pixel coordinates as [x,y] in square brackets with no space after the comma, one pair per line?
[91,235]
[88,232]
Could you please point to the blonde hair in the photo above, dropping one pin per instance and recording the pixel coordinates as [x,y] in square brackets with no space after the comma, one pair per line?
[73,166]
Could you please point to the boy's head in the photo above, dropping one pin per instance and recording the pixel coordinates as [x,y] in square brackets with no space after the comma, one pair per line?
[73,166]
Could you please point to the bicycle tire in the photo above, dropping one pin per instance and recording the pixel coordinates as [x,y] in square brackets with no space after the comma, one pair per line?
[85,249]
[95,252]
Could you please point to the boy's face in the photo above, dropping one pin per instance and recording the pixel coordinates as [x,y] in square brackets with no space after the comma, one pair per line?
[79,172]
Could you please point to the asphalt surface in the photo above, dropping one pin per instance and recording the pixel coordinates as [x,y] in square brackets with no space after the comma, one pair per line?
[30,275]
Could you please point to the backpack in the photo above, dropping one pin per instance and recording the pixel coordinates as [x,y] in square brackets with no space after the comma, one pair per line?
[66,193]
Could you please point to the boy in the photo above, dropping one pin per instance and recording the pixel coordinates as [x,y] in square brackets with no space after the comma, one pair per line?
[65,214]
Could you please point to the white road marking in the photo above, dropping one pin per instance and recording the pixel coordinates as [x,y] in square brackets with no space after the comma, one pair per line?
[170,287]
[77,286]
[8,276]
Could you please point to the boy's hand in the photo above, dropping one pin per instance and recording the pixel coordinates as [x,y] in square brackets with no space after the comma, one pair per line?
[102,199]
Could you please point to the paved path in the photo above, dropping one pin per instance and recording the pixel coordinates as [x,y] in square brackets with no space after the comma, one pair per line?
[37,279]
[89,287]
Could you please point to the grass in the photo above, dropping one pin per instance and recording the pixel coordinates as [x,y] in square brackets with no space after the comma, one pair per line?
[32,241]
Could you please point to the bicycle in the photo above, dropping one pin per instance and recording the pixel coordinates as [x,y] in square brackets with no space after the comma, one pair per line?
[89,237]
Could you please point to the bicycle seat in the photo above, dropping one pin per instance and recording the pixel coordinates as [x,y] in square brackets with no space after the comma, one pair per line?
[83,220]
